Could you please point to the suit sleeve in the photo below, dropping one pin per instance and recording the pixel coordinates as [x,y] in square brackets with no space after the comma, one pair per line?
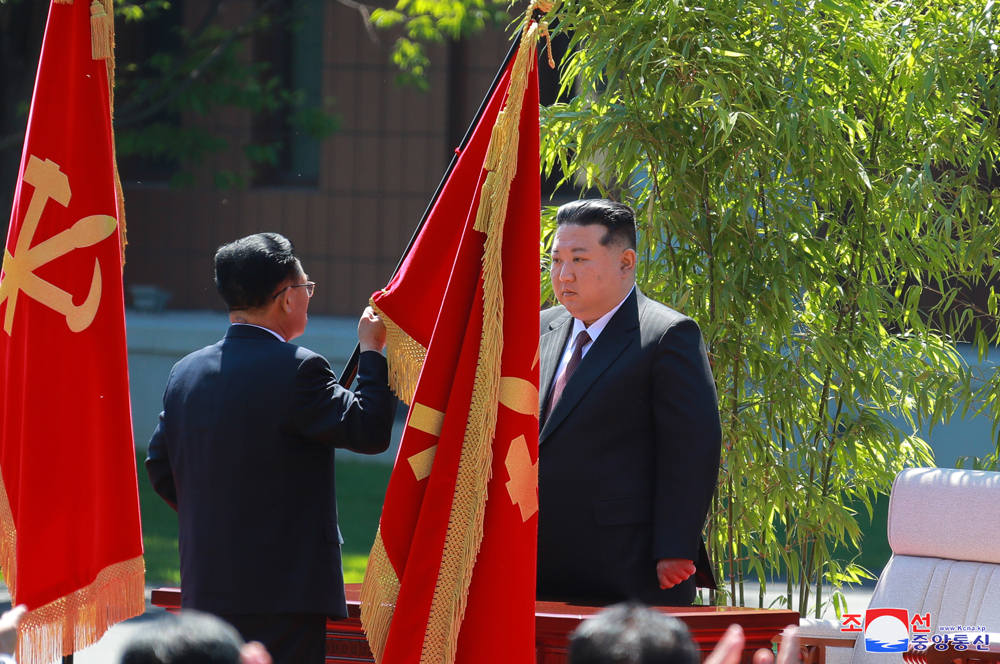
[689,435]
[158,468]
[360,421]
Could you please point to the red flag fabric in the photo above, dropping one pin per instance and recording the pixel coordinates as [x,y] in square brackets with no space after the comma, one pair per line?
[451,577]
[70,534]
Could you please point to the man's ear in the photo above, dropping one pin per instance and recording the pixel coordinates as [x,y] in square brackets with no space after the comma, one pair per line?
[628,261]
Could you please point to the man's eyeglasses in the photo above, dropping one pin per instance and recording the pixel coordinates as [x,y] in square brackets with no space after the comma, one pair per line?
[310,287]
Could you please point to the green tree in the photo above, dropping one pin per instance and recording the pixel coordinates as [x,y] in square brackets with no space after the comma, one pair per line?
[165,93]
[433,21]
[818,186]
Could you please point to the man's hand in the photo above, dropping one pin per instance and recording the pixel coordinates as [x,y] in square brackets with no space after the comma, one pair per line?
[671,571]
[9,622]
[255,653]
[729,649]
[371,331]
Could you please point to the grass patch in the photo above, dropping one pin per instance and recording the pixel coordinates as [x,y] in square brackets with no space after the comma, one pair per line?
[360,492]
[159,533]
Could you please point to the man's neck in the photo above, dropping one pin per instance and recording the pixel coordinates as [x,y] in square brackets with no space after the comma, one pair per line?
[612,310]
[247,318]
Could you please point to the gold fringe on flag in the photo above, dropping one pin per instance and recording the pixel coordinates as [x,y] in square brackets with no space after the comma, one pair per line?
[465,525]
[379,595]
[80,619]
[8,542]
[405,357]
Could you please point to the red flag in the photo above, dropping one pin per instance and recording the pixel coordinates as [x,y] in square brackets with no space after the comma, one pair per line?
[451,577]
[70,535]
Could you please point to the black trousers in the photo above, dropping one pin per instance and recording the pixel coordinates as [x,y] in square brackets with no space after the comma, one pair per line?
[291,638]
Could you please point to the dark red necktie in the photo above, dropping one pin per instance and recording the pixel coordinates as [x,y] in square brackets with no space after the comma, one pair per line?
[582,340]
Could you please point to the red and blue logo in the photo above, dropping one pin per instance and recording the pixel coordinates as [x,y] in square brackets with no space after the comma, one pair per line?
[887,630]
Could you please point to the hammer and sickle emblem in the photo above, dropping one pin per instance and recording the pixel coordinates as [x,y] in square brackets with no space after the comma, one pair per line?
[50,182]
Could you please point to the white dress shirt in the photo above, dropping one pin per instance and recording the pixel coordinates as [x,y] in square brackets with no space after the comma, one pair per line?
[594,331]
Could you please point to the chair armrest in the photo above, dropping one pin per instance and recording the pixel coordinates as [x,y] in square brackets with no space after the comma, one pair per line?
[822,642]
[812,628]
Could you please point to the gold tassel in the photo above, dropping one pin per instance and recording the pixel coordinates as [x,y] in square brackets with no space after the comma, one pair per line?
[100,32]
[496,146]
[62,2]
[405,357]
[379,594]
[465,525]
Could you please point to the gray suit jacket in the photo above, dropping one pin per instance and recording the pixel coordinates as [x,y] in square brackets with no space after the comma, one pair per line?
[628,458]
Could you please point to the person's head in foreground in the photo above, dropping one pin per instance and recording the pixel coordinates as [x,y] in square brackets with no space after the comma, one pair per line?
[593,257]
[630,633]
[262,282]
[191,638]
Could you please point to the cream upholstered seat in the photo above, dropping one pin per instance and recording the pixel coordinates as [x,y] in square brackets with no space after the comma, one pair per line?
[944,530]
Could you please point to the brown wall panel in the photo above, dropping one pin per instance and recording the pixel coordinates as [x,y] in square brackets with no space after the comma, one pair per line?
[377,174]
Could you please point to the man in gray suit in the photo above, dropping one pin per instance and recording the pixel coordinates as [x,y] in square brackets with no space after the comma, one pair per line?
[630,436]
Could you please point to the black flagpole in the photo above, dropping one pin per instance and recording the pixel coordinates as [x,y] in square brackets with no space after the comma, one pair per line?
[350,371]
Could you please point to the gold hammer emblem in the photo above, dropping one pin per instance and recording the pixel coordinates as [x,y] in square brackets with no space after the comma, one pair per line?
[50,182]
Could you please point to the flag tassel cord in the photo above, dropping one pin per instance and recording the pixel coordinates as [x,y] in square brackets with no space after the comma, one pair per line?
[102,47]
[465,525]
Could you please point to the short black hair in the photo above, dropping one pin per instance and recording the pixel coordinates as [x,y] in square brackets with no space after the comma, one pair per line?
[618,218]
[189,638]
[630,633]
[248,271]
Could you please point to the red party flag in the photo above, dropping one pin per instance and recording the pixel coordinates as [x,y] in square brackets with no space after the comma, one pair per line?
[70,534]
[451,577]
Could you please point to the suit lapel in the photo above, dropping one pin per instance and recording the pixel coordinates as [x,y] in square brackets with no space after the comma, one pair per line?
[551,348]
[613,340]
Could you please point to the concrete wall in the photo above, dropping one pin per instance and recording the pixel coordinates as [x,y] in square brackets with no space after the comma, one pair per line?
[157,341]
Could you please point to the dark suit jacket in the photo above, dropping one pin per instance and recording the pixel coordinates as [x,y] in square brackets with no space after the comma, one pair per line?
[244,451]
[628,458]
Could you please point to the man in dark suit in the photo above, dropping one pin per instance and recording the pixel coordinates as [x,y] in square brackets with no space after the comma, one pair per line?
[244,452]
[630,435]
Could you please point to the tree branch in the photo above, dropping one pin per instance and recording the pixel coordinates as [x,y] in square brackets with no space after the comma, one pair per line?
[365,15]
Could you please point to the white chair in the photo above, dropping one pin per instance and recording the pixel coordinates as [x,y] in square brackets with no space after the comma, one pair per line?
[944,530]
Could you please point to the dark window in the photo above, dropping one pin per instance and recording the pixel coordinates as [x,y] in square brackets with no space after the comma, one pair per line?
[142,48]
[293,52]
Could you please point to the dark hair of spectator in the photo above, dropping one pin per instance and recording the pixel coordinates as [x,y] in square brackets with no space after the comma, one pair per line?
[190,638]
[618,218]
[630,633]
[249,270]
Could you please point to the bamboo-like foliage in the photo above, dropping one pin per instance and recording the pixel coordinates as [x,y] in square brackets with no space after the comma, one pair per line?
[808,174]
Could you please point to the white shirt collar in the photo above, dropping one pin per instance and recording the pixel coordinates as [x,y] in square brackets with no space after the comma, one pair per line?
[280,338]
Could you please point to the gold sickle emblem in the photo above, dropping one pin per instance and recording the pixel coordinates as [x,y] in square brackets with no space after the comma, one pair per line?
[50,182]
